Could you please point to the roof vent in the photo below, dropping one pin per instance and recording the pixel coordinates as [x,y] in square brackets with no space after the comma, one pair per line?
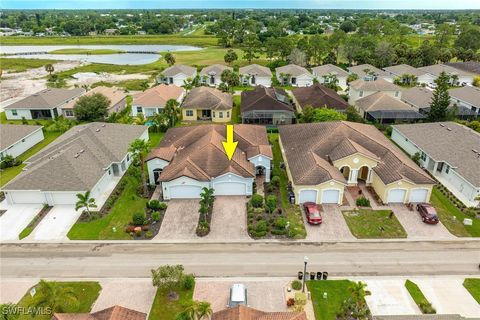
[449,129]
[442,125]
[82,151]
[103,125]
[474,151]
[97,130]
[76,155]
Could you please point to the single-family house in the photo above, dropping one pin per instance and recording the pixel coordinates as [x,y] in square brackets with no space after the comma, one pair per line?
[457,76]
[270,106]
[191,158]
[112,313]
[89,157]
[449,151]
[318,96]
[328,72]
[255,75]
[207,104]
[323,158]
[212,75]
[472,67]
[403,72]
[466,97]
[16,139]
[293,75]
[45,104]
[241,312]
[360,89]
[368,72]
[153,100]
[116,96]
[177,74]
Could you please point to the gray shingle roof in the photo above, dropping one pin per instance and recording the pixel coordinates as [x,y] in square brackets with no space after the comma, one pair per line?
[361,68]
[208,98]
[255,69]
[179,68]
[402,69]
[417,97]
[293,70]
[12,133]
[468,94]
[329,69]
[215,69]
[376,85]
[47,99]
[436,69]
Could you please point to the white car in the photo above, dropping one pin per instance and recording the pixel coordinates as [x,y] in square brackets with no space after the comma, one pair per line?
[238,296]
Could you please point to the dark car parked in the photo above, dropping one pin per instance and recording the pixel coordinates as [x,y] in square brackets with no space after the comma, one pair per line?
[428,213]
[312,212]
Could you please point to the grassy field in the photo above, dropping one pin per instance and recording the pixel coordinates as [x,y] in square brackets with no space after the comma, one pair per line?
[130,85]
[85,51]
[165,309]
[373,224]
[20,64]
[473,286]
[418,297]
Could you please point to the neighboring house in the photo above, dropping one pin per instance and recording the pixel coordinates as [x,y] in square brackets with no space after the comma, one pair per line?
[16,139]
[112,313]
[324,158]
[191,158]
[435,70]
[325,73]
[241,312]
[318,96]
[401,70]
[177,74]
[449,151]
[45,104]
[207,104]
[360,89]
[255,75]
[212,75]
[116,96]
[472,67]
[466,97]
[91,157]
[153,100]
[368,72]
[269,106]
[293,75]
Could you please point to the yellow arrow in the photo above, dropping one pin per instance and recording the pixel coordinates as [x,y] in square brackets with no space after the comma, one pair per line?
[230,146]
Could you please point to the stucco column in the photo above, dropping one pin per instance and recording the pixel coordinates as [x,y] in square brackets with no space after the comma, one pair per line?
[369,176]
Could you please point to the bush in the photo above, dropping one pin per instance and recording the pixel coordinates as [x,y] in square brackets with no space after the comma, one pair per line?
[156,216]
[138,233]
[363,202]
[290,302]
[275,181]
[138,218]
[154,205]
[271,203]
[427,308]
[163,206]
[9,161]
[149,234]
[300,298]
[256,201]
[296,285]
[188,282]
[261,226]
[281,223]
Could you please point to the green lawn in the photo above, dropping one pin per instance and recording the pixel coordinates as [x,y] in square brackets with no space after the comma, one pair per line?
[373,224]
[85,51]
[446,211]
[165,309]
[130,85]
[473,286]
[236,116]
[21,64]
[86,292]
[417,296]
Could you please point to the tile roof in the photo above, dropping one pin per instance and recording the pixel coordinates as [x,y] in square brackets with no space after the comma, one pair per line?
[309,148]
[157,96]
[255,69]
[375,85]
[436,69]
[47,99]
[467,94]
[262,98]
[197,151]
[319,96]
[449,142]
[76,160]
[360,70]
[382,101]
[247,313]
[293,70]
[115,95]
[331,69]
[402,69]
[179,68]
[208,98]
[215,69]
[417,97]
[12,133]
[112,313]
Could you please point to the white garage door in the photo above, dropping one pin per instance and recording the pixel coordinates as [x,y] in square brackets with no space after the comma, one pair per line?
[396,196]
[307,196]
[27,197]
[330,196]
[64,198]
[230,189]
[418,195]
[185,192]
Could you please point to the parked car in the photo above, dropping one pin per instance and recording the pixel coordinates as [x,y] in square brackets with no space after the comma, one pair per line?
[428,213]
[238,295]
[312,212]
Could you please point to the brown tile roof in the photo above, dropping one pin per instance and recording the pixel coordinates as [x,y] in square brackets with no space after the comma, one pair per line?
[179,68]
[13,133]
[197,151]
[319,96]
[247,313]
[47,99]
[262,98]
[309,148]
[376,85]
[157,96]
[257,70]
[331,69]
[112,313]
[208,98]
[115,95]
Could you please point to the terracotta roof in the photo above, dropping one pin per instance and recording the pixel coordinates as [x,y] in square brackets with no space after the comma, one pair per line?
[257,70]
[197,151]
[13,133]
[331,69]
[402,69]
[293,70]
[157,96]
[360,70]
[215,69]
[47,99]
[467,94]
[112,313]
[375,85]
[115,95]
[309,148]
[319,96]
[262,98]
[247,313]
[208,98]
[179,68]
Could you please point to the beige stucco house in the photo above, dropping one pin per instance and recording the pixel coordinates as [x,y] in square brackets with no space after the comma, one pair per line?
[207,104]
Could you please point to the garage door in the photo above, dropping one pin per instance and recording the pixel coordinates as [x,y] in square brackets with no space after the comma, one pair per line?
[230,189]
[27,197]
[418,195]
[185,192]
[64,198]
[396,196]
[330,196]
[307,196]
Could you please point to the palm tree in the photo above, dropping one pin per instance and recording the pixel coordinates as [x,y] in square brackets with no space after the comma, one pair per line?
[169,58]
[144,85]
[57,297]
[85,202]
[140,149]
[49,68]
[172,112]
[197,310]
[188,84]
[207,196]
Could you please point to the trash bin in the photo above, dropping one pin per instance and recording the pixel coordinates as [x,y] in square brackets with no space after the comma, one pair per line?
[325,276]
[319,275]
[312,275]
[300,275]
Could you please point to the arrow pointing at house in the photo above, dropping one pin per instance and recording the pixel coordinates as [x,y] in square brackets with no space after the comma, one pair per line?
[230,146]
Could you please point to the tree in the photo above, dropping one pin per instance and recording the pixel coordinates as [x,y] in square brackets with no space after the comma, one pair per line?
[85,202]
[144,85]
[440,99]
[251,46]
[49,68]
[231,78]
[353,115]
[140,149]
[331,81]
[91,107]
[54,295]
[206,197]
[9,311]
[310,114]
[169,58]
[167,277]
[172,112]
[230,56]
[298,57]
[196,310]
[348,26]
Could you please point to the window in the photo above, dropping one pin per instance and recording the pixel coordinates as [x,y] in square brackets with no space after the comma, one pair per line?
[189,113]
[213,113]
[228,114]
[220,114]
[423,156]
[360,94]
[109,172]
[294,80]
[397,93]
[447,169]
[128,157]
[69,113]
[170,80]
[253,80]
[14,112]
[139,110]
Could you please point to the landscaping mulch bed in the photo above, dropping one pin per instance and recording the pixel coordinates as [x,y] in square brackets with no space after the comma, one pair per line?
[202,232]
[375,196]
[149,229]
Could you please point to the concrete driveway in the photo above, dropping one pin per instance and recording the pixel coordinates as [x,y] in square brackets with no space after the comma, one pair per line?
[389,297]
[180,221]
[56,224]
[229,219]
[416,229]
[333,226]
[16,218]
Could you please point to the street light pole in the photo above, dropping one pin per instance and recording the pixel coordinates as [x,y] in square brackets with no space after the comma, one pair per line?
[305,260]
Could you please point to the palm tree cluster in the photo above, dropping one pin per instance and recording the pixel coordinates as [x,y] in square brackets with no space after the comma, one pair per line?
[355,307]
[196,310]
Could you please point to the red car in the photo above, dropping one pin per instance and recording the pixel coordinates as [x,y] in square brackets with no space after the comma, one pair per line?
[312,212]
[428,213]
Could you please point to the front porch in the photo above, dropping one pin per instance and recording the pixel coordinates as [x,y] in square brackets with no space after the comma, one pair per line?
[354,176]
[44,114]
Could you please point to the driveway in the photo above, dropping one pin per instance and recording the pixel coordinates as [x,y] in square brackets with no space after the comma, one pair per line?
[13,289]
[333,226]
[229,219]
[180,221]
[16,218]
[56,224]
[416,229]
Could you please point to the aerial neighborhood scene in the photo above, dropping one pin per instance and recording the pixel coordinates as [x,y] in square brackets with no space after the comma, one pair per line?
[253,160]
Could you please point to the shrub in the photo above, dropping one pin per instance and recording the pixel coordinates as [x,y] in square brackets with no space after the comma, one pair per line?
[188,282]
[427,308]
[296,285]
[149,234]
[271,203]
[154,205]
[261,226]
[156,216]
[138,218]
[145,228]
[138,233]
[290,302]
[300,298]
[363,202]
[281,223]
[275,181]
[163,206]
[256,201]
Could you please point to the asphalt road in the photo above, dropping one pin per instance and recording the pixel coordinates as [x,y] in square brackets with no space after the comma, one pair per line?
[106,260]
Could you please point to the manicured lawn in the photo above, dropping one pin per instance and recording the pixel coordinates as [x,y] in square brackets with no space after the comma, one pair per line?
[473,286]
[3,119]
[155,138]
[373,224]
[86,292]
[446,211]
[417,296]
[165,309]
[20,64]
[85,51]
[236,116]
